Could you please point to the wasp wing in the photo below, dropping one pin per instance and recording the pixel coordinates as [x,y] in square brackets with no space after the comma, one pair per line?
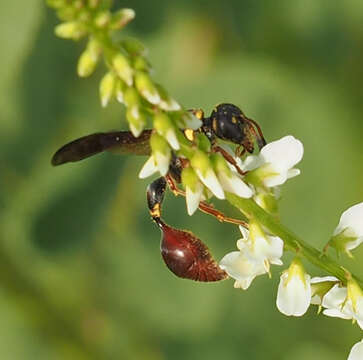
[119,142]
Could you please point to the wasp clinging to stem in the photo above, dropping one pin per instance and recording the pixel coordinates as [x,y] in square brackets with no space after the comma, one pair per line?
[184,254]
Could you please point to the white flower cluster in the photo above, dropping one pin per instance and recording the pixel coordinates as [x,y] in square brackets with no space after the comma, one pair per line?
[257,250]
[213,175]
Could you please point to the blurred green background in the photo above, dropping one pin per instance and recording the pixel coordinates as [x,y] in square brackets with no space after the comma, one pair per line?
[80,271]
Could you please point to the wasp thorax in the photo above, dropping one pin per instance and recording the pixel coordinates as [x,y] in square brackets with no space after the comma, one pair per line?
[228,122]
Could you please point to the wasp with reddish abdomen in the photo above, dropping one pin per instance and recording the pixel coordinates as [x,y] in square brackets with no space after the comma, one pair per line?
[183,253]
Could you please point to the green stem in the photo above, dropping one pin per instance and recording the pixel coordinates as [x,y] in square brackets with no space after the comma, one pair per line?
[292,242]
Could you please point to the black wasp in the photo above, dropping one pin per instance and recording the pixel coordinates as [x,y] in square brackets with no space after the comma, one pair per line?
[184,254]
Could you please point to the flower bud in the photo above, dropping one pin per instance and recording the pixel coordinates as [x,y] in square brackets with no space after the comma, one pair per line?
[121,87]
[102,19]
[136,119]
[131,97]
[204,169]
[349,232]
[107,88]
[123,69]
[202,142]
[161,152]
[70,30]
[294,292]
[146,87]
[121,18]
[167,103]
[193,189]
[140,63]
[133,46]
[165,128]
[229,180]
[89,58]
[86,64]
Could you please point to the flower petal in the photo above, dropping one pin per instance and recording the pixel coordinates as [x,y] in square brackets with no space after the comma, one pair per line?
[275,180]
[193,198]
[335,297]
[251,162]
[293,296]
[162,162]
[336,313]
[148,169]
[240,268]
[283,154]
[353,244]
[172,139]
[244,232]
[211,182]
[352,218]
[235,185]
[357,351]
[293,172]
[318,279]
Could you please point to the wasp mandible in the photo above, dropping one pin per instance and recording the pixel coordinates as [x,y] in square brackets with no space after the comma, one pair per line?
[183,253]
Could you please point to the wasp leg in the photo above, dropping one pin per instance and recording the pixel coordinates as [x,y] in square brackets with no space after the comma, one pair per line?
[240,151]
[230,159]
[260,139]
[205,207]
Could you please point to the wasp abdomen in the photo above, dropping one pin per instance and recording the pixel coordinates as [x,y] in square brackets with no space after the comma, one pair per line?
[187,256]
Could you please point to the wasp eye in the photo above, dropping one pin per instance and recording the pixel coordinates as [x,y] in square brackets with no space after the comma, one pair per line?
[187,257]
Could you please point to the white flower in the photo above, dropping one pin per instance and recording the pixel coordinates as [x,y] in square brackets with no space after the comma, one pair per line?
[193,198]
[294,292]
[345,302]
[234,184]
[171,138]
[156,162]
[193,189]
[357,351]
[230,179]
[165,128]
[260,247]
[241,268]
[320,286]
[349,232]
[275,163]
[204,169]
[256,252]
[335,303]
[209,179]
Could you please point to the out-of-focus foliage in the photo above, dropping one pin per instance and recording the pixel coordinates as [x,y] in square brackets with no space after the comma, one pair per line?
[80,271]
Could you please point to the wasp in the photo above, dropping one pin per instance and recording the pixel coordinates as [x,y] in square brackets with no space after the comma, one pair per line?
[183,253]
